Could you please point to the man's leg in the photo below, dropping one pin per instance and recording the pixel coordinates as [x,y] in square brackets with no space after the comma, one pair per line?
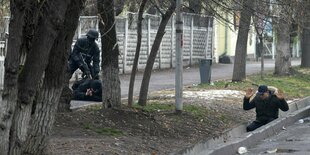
[254,125]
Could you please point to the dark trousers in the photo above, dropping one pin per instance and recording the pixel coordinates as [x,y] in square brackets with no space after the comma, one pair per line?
[97,98]
[256,124]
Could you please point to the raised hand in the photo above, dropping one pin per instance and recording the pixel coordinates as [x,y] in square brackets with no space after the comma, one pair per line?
[279,94]
[249,92]
[88,92]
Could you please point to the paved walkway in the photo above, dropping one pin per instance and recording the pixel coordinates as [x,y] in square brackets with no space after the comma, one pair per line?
[295,139]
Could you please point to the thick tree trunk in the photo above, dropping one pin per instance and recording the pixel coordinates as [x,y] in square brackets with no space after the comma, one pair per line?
[51,19]
[9,95]
[65,97]
[150,61]
[305,37]
[137,54]
[47,102]
[42,120]
[305,47]
[111,96]
[283,57]
[239,73]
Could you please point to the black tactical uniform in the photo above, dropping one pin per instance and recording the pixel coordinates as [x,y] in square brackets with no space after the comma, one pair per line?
[80,89]
[85,55]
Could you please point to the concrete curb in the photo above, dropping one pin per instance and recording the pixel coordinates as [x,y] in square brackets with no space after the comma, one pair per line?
[297,111]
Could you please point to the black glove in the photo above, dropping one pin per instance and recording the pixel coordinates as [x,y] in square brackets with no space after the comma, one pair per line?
[86,75]
[96,77]
[85,70]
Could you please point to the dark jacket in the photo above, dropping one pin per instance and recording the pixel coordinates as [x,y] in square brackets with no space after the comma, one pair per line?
[84,52]
[80,88]
[267,109]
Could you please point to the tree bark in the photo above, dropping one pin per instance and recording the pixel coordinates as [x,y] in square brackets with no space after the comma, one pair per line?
[195,6]
[239,73]
[305,37]
[150,61]
[262,53]
[283,57]
[137,54]
[9,95]
[111,96]
[47,102]
[119,6]
[154,6]
[305,47]
[50,21]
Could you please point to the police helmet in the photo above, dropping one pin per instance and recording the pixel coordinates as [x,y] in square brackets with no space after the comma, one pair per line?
[92,34]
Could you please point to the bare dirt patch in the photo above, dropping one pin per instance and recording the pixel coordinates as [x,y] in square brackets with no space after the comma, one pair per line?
[136,131]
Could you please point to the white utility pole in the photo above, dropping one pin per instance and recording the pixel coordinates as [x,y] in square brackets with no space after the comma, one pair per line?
[179,57]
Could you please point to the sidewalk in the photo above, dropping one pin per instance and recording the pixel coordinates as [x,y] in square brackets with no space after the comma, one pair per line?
[165,79]
[295,139]
[283,135]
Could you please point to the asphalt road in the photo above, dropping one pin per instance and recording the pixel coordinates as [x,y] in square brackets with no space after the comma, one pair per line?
[166,79]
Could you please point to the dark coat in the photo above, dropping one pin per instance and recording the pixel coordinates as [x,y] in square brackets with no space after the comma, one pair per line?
[267,109]
[80,88]
[84,52]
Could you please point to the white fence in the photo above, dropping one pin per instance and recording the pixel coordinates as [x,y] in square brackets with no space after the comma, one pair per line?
[4,29]
[197,35]
[197,40]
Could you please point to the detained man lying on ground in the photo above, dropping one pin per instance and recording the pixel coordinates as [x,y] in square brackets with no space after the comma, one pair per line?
[87,90]
[267,102]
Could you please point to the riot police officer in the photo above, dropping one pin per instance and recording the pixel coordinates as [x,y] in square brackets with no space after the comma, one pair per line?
[85,55]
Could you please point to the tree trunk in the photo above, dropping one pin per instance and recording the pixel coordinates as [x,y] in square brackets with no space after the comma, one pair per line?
[242,40]
[195,6]
[305,37]
[135,62]
[111,96]
[154,6]
[47,102]
[9,95]
[262,52]
[152,56]
[283,57]
[50,20]
[66,96]
[305,47]
[119,6]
